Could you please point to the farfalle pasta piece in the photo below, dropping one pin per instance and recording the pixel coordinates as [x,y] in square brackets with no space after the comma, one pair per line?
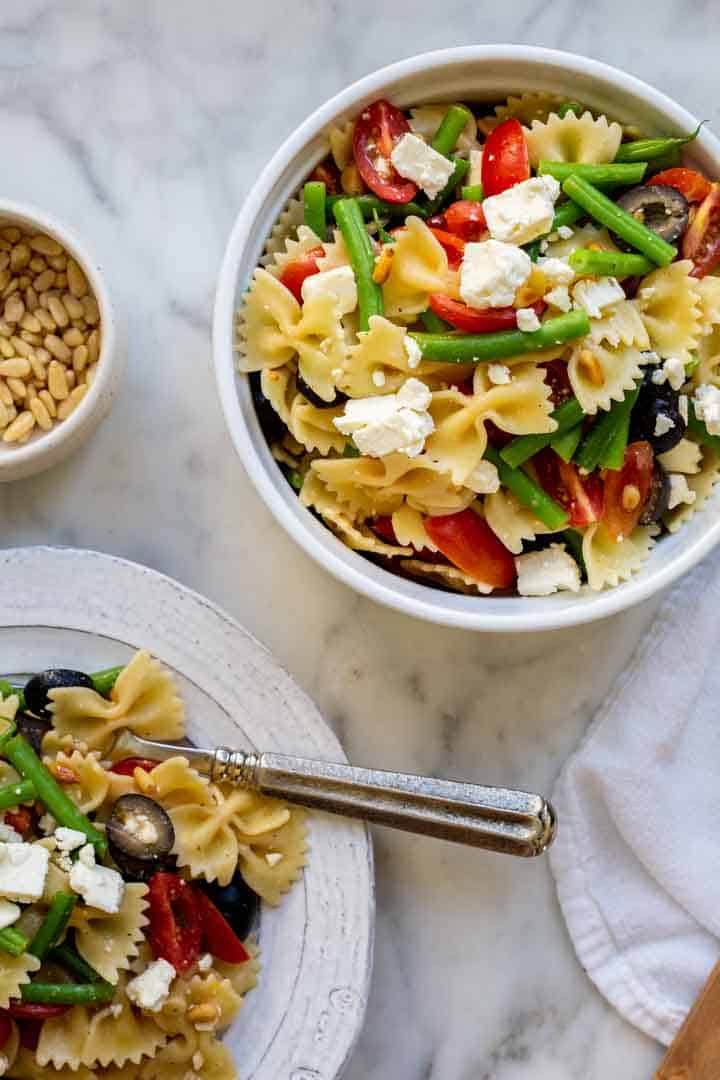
[15,971]
[312,427]
[446,576]
[336,253]
[669,302]
[391,480]
[573,138]
[244,977]
[143,700]
[381,348]
[271,877]
[608,562]
[109,943]
[216,993]
[93,782]
[708,289]
[620,325]
[685,457]
[511,521]
[702,483]
[316,495]
[26,1067]
[600,375]
[290,220]
[340,137]
[292,249]
[528,107]
[426,119]
[174,783]
[419,267]
[409,528]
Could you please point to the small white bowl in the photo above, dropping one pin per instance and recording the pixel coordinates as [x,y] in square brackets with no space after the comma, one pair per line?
[47,448]
[488,72]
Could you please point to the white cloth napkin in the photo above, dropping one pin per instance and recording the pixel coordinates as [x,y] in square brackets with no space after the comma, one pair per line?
[637,855]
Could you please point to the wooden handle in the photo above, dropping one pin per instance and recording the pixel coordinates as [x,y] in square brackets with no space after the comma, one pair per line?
[694,1053]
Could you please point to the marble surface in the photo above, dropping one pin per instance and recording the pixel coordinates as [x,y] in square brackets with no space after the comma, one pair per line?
[143,124]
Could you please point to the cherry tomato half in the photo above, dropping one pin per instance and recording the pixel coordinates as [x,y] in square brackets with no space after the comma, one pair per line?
[693,185]
[473,321]
[466,218]
[471,545]
[505,159]
[623,505]
[176,921]
[581,496]
[295,272]
[20,819]
[453,246]
[701,242]
[377,129]
[128,765]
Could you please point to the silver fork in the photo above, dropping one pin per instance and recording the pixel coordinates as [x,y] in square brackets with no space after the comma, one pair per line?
[499,819]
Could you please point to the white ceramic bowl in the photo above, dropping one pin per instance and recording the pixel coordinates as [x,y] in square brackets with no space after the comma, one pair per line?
[47,448]
[474,73]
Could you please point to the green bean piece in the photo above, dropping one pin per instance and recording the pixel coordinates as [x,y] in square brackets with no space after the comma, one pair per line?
[314,195]
[476,348]
[21,754]
[528,492]
[447,195]
[350,221]
[12,941]
[534,249]
[522,448]
[370,203]
[53,925]
[570,107]
[295,479]
[602,176]
[566,443]
[573,542]
[72,961]
[103,681]
[350,451]
[566,213]
[453,124]
[628,228]
[6,688]
[433,323]
[12,795]
[647,149]
[473,192]
[607,434]
[67,993]
[698,429]
[615,263]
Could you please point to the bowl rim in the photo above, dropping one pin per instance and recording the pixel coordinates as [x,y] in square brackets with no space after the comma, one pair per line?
[50,442]
[592,606]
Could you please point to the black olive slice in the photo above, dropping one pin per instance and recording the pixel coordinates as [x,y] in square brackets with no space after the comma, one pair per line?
[33,728]
[657,410]
[236,902]
[39,686]
[140,836]
[658,498]
[270,422]
[315,399]
[658,207]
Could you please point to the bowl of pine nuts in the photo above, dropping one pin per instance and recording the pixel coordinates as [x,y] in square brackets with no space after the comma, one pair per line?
[59,366]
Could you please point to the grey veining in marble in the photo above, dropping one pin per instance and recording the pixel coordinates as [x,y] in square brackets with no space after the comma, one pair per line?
[143,124]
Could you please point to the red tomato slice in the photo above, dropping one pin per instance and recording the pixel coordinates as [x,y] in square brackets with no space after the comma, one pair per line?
[473,321]
[505,160]
[465,218]
[693,185]
[328,173]
[701,242]
[557,378]
[219,938]
[581,496]
[176,921]
[128,765]
[471,545]
[296,271]
[622,513]
[453,246]
[20,819]
[377,129]
[27,1010]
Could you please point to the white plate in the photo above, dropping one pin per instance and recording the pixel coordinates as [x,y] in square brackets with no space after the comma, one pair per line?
[80,609]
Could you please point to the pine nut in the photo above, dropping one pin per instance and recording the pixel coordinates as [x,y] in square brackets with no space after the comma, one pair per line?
[21,347]
[38,264]
[45,245]
[70,405]
[57,347]
[18,368]
[57,381]
[11,233]
[21,426]
[71,378]
[80,359]
[6,349]
[590,367]
[31,393]
[12,286]
[61,280]
[29,322]
[31,300]
[58,312]
[5,395]
[4,415]
[208,1012]
[17,388]
[14,309]
[93,346]
[48,401]
[32,339]
[77,282]
[44,281]
[91,309]
[45,319]
[39,368]
[58,262]
[19,257]
[42,416]
[73,337]
[73,306]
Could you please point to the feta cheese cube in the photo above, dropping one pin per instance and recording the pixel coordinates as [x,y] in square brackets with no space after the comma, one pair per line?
[99,886]
[69,839]
[663,424]
[417,161]
[9,913]
[151,990]
[338,283]
[527,320]
[412,351]
[523,212]
[680,492]
[673,370]
[557,271]
[559,298]
[707,407]
[8,834]
[564,232]
[23,869]
[390,423]
[492,272]
[541,573]
[683,408]
[484,479]
[593,296]
[499,374]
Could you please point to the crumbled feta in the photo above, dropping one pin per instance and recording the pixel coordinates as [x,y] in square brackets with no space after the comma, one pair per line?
[390,423]
[559,298]
[8,834]
[564,232]
[544,245]
[338,283]
[151,990]
[272,858]
[47,824]
[541,573]
[69,839]
[523,212]
[491,272]
[499,374]
[663,424]
[99,886]
[527,320]
[593,296]
[557,271]
[679,491]
[417,161]
[484,479]
[205,962]
[142,827]
[9,913]
[378,377]
[412,351]
[707,407]
[672,371]
[683,408]
[23,869]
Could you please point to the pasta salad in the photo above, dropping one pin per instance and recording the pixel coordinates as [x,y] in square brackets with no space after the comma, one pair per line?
[129,888]
[484,347]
